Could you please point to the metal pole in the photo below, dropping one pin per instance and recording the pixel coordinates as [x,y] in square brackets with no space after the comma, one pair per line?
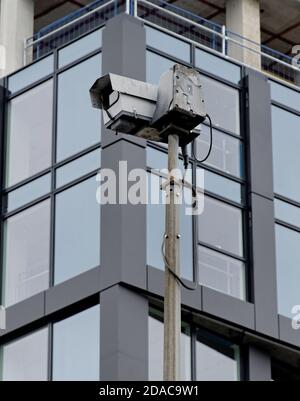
[172,301]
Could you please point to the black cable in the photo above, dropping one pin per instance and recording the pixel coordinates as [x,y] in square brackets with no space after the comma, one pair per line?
[210,145]
[106,109]
[195,284]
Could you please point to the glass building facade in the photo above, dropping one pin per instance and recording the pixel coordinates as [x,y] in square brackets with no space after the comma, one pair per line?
[65,257]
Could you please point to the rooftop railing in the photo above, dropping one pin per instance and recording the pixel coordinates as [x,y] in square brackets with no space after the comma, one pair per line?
[170,18]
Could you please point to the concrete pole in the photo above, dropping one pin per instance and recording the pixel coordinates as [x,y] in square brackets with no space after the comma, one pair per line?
[16,25]
[243,18]
[172,301]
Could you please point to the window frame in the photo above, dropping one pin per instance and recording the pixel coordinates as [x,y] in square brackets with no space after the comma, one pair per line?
[54,164]
[243,180]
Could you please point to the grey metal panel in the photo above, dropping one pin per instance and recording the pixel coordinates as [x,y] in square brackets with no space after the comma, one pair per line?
[155,285]
[287,333]
[264,265]
[124,335]
[25,312]
[73,290]
[123,229]
[124,45]
[123,53]
[259,365]
[109,137]
[228,308]
[259,134]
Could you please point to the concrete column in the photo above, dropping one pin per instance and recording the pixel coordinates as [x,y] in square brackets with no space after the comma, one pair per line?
[16,24]
[243,18]
[261,200]
[124,313]
[259,368]
[124,335]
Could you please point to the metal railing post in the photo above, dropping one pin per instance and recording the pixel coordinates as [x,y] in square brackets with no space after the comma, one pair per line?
[127,10]
[224,40]
[135,8]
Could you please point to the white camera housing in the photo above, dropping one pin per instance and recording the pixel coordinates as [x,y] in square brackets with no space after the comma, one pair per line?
[152,112]
[128,105]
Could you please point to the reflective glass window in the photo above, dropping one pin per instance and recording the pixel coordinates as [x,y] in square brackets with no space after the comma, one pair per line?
[30,74]
[28,192]
[226,154]
[288,269]
[168,44]
[26,359]
[156,347]
[78,123]
[222,104]
[26,253]
[286,212]
[76,347]
[216,358]
[218,66]
[29,136]
[155,66]
[77,230]
[156,230]
[285,95]
[79,167]
[221,273]
[220,225]
[80,48]
[286,160]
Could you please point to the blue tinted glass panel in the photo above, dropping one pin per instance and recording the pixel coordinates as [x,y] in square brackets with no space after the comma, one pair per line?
[29,136]
[217,359]
[28,192]
[78,123]
[80,48]
[76,347]
[226,154]
[287,212]
[218,66]
[285,95]
[155,66]
[77,230]
[222,186]
[286,160]
[156,230]
[26,253]
[31,74]
[25,359]
[222,104]
[221,273]
[220,225]
[168,44]
[156,348]
[288,269]
[78,168]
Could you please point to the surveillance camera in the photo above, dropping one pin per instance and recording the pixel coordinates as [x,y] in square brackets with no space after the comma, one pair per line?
[128,104]
[152,112]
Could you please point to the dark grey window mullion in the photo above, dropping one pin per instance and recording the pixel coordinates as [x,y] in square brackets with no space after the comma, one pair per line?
[193,351]
[3,124]
[50,351]
[53,171]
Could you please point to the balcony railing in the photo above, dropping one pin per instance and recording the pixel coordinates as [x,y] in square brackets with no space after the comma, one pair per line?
[170,18]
